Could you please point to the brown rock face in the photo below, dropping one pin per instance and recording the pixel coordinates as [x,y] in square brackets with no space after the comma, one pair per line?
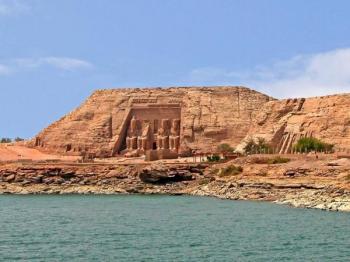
[102,126]
[283,122]
[178,120]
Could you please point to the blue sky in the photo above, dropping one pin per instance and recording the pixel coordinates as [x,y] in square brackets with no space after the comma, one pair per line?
[53,54]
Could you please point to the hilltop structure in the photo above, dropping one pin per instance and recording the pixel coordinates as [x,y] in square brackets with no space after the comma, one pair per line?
[164,123]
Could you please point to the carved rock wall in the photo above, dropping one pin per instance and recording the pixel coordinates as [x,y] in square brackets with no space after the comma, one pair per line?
[209,116]
[283,122]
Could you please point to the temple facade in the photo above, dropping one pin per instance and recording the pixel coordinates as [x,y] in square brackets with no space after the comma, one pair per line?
[152,129]
[156,138]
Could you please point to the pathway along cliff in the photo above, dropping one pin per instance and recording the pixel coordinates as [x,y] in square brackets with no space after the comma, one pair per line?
[305,181]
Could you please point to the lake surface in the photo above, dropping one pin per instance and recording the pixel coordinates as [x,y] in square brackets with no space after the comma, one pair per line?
[166,228]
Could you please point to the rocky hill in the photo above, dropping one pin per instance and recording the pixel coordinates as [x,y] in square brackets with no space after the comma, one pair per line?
[209,116]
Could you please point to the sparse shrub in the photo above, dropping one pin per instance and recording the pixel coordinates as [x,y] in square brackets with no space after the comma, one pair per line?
[225,148]
[259,160]
[250,147]
[258,146]
[278,160]
[309,144]
[5,140]
[18,139]
[269,160]
[213,158]
[230,171]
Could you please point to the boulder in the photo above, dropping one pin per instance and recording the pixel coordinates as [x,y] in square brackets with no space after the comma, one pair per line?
[163,176]
[9,178]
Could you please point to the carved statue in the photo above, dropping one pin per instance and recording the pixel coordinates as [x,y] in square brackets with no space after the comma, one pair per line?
[174,137]
[128,143]
[134,142]
[141,135]
[145,137]
[139,142]
[131,140]
[133,127]
[164,127]
[145,143]
[163,134]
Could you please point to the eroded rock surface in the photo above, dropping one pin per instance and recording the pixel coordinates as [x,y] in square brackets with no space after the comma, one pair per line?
[283,122]
[303,182]
[203,116]
[207,116]
[163,175]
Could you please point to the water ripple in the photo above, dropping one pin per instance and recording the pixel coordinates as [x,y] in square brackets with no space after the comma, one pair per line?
[161,228]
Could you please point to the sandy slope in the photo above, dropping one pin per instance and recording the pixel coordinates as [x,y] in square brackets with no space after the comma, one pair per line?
[10,152]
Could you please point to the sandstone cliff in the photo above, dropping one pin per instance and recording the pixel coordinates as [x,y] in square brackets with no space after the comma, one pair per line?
[283,122]
[209,116]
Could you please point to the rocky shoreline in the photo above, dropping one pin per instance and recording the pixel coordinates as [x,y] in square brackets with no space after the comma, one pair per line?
[325,199]
[319,184]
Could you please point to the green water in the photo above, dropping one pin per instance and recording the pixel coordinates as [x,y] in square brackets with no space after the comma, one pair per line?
[165,228]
